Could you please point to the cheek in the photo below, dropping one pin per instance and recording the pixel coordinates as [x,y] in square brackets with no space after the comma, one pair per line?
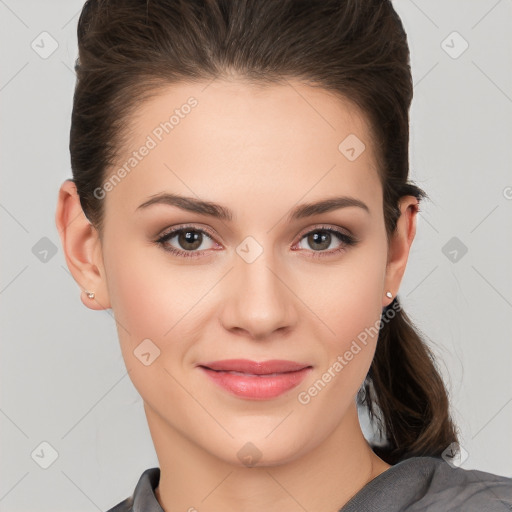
[136,296]
[350,307]
[149,294]
[350,298]
[150,302]
[158,300]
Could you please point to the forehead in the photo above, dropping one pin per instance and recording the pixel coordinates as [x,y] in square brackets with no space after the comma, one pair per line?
[225,140]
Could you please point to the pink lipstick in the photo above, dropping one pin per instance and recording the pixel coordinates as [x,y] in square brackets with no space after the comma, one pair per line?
[256,380]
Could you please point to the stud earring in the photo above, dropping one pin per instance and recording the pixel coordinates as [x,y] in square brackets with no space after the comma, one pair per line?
[91,295]
[389,295]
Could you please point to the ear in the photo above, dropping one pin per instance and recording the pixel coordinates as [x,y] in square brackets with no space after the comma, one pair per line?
[400,245]
[82,247]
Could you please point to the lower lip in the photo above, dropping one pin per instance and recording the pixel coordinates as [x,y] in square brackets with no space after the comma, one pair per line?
[257,387]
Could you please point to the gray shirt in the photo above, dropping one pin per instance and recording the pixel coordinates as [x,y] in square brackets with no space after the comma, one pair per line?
[417,484]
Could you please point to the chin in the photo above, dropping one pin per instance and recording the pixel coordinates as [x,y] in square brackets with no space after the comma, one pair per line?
[260,453]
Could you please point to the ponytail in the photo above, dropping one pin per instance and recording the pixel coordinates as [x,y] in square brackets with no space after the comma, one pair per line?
[405,394]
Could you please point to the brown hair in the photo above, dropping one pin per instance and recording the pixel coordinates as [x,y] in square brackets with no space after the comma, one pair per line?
[130,49]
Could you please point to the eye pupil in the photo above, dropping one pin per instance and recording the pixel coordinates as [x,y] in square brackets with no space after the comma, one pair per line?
[190,239]
[320,239]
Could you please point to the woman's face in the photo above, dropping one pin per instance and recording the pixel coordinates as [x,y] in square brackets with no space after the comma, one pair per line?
[267,280]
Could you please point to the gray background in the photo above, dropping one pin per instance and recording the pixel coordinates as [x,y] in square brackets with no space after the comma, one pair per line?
[63,377]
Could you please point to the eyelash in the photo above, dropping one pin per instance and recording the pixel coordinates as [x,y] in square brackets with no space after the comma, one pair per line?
[347,241]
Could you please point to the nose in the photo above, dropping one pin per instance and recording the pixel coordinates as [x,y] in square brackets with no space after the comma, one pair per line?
[259,299]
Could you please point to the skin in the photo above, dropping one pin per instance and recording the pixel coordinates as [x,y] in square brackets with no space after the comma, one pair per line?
[258,151]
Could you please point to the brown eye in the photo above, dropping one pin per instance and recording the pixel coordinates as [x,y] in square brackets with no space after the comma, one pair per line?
[319,240]
[322,241]
[186,241]
[190,240]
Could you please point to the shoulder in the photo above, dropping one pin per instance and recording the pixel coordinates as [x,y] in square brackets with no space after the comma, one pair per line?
[465,489]
[421,484]
[143,497]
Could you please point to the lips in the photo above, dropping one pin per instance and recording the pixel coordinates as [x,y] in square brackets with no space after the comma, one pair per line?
[256,380]
[256,368]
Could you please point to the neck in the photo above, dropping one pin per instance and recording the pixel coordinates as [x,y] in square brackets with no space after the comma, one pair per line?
[322,480]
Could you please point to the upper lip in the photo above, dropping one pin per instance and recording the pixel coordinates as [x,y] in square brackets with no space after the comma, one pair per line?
[255,367]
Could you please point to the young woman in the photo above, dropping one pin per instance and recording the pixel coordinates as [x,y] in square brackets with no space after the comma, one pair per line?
[240,200]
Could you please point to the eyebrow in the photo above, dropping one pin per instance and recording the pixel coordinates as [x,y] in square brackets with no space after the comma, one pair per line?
[218,211]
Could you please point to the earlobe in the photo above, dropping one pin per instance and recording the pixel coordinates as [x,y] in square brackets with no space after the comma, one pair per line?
[82,248]
[400,244]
